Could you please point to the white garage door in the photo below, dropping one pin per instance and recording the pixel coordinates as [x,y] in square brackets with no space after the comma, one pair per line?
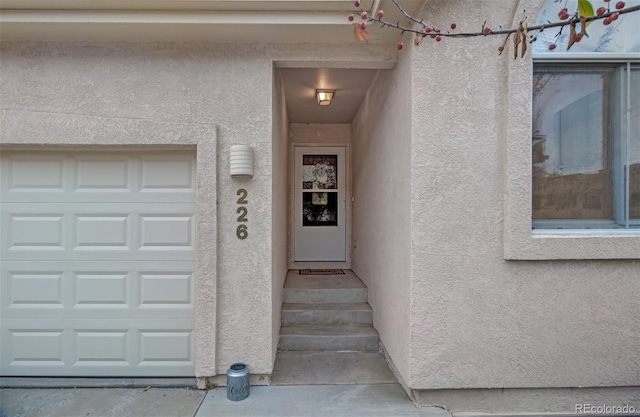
[98,262]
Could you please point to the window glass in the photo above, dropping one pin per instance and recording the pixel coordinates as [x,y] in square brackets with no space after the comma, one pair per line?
[580,147]
[634,146]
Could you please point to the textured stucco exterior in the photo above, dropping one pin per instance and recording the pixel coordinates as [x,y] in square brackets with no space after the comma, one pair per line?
[478,320]
[222,88]
[314,134]
[382,206]
[280,200]
[475,311]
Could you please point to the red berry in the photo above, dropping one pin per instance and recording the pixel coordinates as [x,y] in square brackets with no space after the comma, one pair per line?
[363,15]
[356,3]
[564,16]
[399,45]
[428,29]
[607,1]
[438,30]
[379,14]
[438,38]
[601,11]
[433,36]
[564,10]
[500,48]
[363,25]
[614,16]
[620,5]
[453,26]
[350,18]
[487,29]
[552,46]
[607,20]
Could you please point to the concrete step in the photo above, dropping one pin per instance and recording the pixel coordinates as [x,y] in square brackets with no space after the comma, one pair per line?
[335,338]
[326,314]
[320,289]
[320,368]
[319,296]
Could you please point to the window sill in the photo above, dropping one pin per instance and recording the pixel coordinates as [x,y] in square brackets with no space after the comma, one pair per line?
[584,232]
[572,244]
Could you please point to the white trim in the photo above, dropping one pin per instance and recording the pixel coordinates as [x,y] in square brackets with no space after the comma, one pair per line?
[173,17]
[586,57]
[586,232]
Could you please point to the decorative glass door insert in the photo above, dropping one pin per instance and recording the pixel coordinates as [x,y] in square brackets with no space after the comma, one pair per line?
[320,190]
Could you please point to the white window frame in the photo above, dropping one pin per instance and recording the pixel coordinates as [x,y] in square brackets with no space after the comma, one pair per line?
[621,192]
[520,240]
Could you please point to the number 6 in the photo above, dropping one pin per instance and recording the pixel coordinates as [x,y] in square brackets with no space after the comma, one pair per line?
[242,232]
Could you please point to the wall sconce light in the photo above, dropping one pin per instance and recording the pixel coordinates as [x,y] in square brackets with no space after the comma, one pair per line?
[241,160]
[325,96]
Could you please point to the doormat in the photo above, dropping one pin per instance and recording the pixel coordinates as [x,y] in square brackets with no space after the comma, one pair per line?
[320,272]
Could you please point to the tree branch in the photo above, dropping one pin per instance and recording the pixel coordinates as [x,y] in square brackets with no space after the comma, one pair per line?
[404,12]
[574,19]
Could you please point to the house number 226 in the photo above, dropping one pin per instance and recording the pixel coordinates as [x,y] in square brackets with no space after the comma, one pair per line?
[241,230]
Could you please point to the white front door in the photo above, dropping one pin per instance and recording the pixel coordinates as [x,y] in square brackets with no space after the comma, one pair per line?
[320,230]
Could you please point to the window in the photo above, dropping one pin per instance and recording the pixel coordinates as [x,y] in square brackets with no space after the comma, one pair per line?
[586,146]
[572,147]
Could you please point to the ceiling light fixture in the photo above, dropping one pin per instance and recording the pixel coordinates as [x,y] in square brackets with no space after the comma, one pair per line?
[325,96]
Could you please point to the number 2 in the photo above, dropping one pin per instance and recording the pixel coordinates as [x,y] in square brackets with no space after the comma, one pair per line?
[243,196]
[243,216]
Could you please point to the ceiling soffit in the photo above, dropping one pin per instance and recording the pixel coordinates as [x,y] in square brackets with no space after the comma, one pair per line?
[292,21]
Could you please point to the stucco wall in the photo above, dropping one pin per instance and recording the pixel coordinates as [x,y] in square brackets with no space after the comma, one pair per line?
[311,133]
[381,207]
[280,203]
[171,83]
[479,321]
[228,87]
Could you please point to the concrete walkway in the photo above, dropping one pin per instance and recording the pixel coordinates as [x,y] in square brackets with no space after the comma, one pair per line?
[282,401]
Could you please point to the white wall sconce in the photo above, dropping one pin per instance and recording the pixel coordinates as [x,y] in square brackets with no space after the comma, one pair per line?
[241,160]
[325,96]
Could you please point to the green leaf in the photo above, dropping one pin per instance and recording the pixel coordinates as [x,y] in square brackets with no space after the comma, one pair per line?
[585,9]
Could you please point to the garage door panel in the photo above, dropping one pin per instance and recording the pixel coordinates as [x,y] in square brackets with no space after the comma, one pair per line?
[50,231]
[166,231]
[80,347]
[37,290]
[98,290]
[166,345]
[99,173]
[98,263]
[101,289]
[103,196]
[98,315]
[161,290]
[103,231]
[29,174]
[42,231]
[31,346]
[162,174]
[98,176]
